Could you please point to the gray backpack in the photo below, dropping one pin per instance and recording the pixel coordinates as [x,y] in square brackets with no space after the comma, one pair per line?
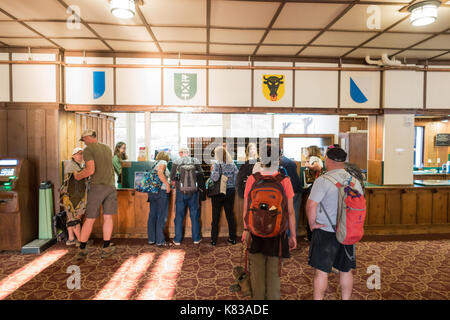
[187,182]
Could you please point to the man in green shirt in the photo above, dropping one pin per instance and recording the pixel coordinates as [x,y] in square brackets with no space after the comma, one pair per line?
[102,192]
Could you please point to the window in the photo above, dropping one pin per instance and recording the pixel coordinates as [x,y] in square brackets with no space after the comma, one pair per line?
[200,125]
[418,146]
[251,125]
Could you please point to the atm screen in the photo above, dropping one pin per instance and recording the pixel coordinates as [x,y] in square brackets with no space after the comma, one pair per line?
[6,172]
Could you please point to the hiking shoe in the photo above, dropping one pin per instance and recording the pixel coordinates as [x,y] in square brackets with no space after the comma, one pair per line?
[82,254]
[232,241]
[151,243]
[176,243]
[164,244]
[197,242]
[108,251]
[72,242]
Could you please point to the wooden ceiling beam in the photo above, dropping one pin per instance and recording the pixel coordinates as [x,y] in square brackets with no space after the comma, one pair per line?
[149,29]
[336,19]
[269,27]
[61,2]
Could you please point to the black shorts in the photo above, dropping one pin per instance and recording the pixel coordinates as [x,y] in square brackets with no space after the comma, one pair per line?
[326,252]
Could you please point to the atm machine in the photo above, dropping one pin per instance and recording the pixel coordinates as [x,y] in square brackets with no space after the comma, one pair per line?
[18,210]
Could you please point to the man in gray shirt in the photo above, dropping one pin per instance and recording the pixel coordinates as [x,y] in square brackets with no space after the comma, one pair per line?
[325,251]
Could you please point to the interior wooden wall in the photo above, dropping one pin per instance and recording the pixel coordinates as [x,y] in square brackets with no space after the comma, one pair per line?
[430,150]
[345,123]
[31,131]
[72,124]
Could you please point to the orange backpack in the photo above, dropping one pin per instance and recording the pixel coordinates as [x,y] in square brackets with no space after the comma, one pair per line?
[267,206]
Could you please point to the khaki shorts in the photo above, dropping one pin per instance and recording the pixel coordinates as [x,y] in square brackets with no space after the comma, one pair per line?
[101,195]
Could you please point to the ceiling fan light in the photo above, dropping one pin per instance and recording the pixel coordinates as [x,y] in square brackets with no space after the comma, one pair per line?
[423,13]
[123,9]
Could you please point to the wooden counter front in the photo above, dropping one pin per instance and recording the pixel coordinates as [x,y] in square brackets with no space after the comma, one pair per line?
[390,210]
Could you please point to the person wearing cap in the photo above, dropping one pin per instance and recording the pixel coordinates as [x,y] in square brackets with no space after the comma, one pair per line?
[325,252]
[73,195]
[102,192]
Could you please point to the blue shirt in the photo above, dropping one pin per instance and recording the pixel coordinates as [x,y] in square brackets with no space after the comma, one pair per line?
[229,170]
[291,169]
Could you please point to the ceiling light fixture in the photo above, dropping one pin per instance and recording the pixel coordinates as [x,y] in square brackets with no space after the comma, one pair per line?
[123,9]
[423,12]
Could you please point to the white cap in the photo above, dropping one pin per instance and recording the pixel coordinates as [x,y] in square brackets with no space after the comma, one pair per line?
[76,150]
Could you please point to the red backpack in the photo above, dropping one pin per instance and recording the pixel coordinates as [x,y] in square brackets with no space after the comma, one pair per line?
[267,206]
[351,212]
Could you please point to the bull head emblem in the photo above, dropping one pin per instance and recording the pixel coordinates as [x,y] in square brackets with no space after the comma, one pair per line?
[273,83]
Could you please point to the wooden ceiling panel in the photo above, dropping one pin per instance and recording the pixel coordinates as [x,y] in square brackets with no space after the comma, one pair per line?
[279,50]
[98,11]
[122,32]
[373,53]
[183,47]
[419,54]
[356,18]
[307,15]
[396,40]
[231,49]
[439,42]
[133,46]
[242,13]
[34,9]
[236,36]
[60,29]
[324,51]
[175,12]
[444,57]
[27,42]
[81,44]
[343,38]
[15,29]
[179,34]
[4,17]
[289,37]
[442,23]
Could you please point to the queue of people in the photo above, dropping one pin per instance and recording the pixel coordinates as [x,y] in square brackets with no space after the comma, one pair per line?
[89,184]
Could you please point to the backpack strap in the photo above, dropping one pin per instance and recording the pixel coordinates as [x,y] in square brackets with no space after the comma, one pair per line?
[328,217]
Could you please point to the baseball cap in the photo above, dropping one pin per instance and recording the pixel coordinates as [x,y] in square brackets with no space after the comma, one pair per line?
[88,133]
[76,150]
[336,153]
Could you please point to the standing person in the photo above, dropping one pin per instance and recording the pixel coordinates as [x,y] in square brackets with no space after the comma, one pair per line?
[325,252]
[73,194]
[184,177]
[159,203]
[251,157]
[102,192]
[226,167]
[314,165]
[264,253]
[291,171]
[120,154]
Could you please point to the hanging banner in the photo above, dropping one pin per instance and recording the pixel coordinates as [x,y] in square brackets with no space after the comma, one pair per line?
[89,86]
[185,87]
[360,89]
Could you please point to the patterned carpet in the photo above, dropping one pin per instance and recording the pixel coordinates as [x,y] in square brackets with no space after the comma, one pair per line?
[414,269]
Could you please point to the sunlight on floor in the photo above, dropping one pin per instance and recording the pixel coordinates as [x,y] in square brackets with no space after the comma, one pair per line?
[161,285]
[126,278]
[17,279]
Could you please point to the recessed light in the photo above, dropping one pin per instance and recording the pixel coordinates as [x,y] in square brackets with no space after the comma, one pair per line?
[352,115]
[96,111]
[123,9]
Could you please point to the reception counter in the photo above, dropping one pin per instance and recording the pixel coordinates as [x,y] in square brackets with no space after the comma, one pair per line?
[391,210]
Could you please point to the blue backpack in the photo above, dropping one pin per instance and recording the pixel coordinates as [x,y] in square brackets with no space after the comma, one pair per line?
[150,181]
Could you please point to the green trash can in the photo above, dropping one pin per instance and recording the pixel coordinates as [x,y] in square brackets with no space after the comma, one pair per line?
[45,210]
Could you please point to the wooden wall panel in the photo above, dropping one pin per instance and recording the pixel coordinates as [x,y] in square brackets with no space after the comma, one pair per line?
[393,207]
[52,147]
[377,208]
[424,207]
[3,133]
[440,205]
[346,123]
[409,205]
[17,133]
[36,136]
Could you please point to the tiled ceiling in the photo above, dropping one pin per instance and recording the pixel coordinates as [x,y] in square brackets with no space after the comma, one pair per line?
[277,28]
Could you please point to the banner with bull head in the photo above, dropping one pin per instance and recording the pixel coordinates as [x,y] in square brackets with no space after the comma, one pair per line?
[273,87]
